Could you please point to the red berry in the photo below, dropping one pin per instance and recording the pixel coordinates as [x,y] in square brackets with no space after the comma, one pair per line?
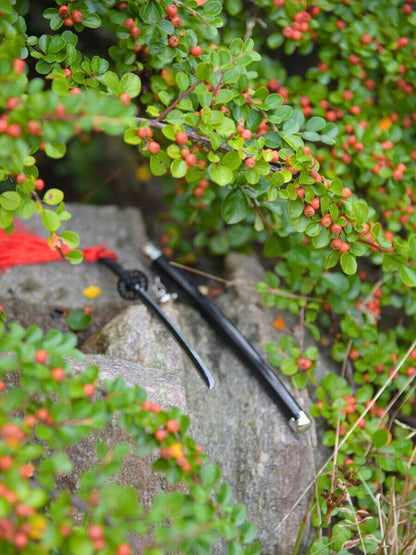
[199,192]
[39,184]
[309,211]
[89,389]
[176,22]
[77,16]
[129,23]
[161,434]
[67,72]
[173,41]
[135,32]
[250,162]
[95,531]
[58,374]
[41,356]
[300,192]
[181,138]
[125,98]
[172,426]
[196,50]
[191,159]
[315,203]
[326,221]
[335,244]
[63,11]
[21,178]
[153,147]
[14,130]
[366,38]
[246,134]
[336,229]
[346,193]
[171,10]
[68,22]
[344,247]
[145,132]
[33,127]
[354,354]
[12,103]
[124,549]
[304,364]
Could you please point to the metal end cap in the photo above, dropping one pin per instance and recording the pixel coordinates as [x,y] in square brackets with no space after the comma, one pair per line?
[150,251]
[301,423]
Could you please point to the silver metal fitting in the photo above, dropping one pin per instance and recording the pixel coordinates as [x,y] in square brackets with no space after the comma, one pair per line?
[150,251]
[161,293]
[301,423]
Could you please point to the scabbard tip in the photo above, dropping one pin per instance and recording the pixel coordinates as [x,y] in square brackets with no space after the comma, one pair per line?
[301,423]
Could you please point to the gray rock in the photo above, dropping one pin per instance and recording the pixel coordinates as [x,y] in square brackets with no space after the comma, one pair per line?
[239,425]
[59,284]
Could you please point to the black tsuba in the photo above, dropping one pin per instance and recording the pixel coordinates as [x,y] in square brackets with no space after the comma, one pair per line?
[130,283]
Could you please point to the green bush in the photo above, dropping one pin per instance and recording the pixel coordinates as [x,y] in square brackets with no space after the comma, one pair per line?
[289,124]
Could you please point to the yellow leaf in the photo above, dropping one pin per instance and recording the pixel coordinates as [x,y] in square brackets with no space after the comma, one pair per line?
[143,173]
[92,292]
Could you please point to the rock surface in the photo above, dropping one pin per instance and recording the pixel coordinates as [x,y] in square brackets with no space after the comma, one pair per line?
[237,422]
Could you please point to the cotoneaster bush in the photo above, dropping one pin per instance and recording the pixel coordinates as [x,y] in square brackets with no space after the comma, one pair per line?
[286,123]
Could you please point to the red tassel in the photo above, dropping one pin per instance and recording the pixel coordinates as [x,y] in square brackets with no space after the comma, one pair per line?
[25,247]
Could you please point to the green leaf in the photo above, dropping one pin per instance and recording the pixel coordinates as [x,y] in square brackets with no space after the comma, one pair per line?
[130,84]
[289,367]
[10,200]
[159,163]
[210,474]
[74,257]
[408,275]
[412,246]
[221,175]
[380,438]
[78,320]
[152,13]
[316,123]
[331,260]
[60,85]
[112,82]
[50,220]
[178,168]
[235,549]
[235,207]
[273,101]
[71,238]
[348,263]
[55,149]
[182,80]
[360,211]
[232,160]
[53,197]
[294,141]
[92,20]
[248,532]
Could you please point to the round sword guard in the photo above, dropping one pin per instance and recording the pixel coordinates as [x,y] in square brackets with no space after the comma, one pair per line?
[130,283]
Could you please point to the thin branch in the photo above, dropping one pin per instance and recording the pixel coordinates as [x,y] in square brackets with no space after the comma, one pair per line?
[176,102]
[243,285]
[374,245]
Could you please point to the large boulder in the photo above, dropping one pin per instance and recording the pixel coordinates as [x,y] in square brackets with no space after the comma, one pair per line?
[239,424]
